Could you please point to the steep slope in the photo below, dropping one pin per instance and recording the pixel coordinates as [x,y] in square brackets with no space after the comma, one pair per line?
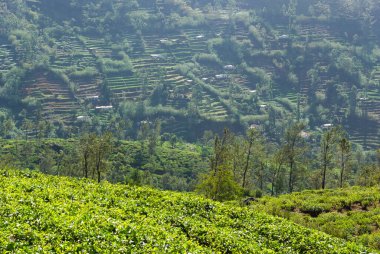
[221,61]
[55,214]
[55,100]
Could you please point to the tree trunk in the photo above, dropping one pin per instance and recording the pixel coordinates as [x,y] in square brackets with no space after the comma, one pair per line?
[86,165]
[324,169]
[98,167]
[274,179]
[324,176]
[326,151]
[98,171]
[262,167]
[291,176]
[93,173]
[342,170]
[247,163]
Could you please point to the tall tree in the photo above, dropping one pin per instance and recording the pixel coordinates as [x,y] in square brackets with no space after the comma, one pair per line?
[154,136]
[345,154]
[327,142]
[221,150]
[219,183]
[290,11]
[252,135]
[277,162]
[8,126]
[352,101]
[102,149]
[86,149]
[94,151]
[293,148]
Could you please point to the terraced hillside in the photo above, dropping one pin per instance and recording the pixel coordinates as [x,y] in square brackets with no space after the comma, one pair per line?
[226,62]
[7,57]
[72,56]
[45,213]
[88,88]
[54,99]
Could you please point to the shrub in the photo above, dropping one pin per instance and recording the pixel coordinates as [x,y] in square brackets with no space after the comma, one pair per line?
[208,59]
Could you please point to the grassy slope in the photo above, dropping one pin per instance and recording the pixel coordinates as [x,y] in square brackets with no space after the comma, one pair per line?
[42,213]
[352,213]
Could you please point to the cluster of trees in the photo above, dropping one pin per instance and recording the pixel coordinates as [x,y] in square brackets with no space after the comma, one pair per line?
[242,164]
[94,152]
[249,165]
[266,166]
[162,161]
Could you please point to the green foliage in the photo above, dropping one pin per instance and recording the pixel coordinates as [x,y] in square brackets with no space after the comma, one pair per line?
[256,35]
[350,213]
[13,82]
[85,73]
[219,186]
[229,50]
[246,56]
[127,162]
[109,66]
[208,59]
[44,214]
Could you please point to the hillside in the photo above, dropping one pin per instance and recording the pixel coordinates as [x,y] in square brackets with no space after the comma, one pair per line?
[195,65]
[43,214]
[351,213]
[111,106]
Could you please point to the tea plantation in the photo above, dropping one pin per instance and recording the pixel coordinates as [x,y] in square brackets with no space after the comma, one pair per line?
[49,214]
[351,213]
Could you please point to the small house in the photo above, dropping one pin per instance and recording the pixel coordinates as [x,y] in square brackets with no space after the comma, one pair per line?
[104,107]
[254,126]
[229,67]
[221,76]
[284,37]
[263,106]
[327,125]
[156,56]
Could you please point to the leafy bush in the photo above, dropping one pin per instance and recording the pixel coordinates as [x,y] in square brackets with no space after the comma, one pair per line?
[208,59]
[114,66]
[256,35]
[85,73]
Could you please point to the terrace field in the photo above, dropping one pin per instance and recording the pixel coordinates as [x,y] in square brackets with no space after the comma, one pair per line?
[228,63]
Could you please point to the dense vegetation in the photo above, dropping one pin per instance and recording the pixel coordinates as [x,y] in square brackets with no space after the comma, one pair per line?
[171,165]
[227,98]
[221,167]
[57,214]
[351,213]
[196,65]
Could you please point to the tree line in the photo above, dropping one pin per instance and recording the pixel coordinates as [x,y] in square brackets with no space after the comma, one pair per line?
[228,166]
[251,165]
